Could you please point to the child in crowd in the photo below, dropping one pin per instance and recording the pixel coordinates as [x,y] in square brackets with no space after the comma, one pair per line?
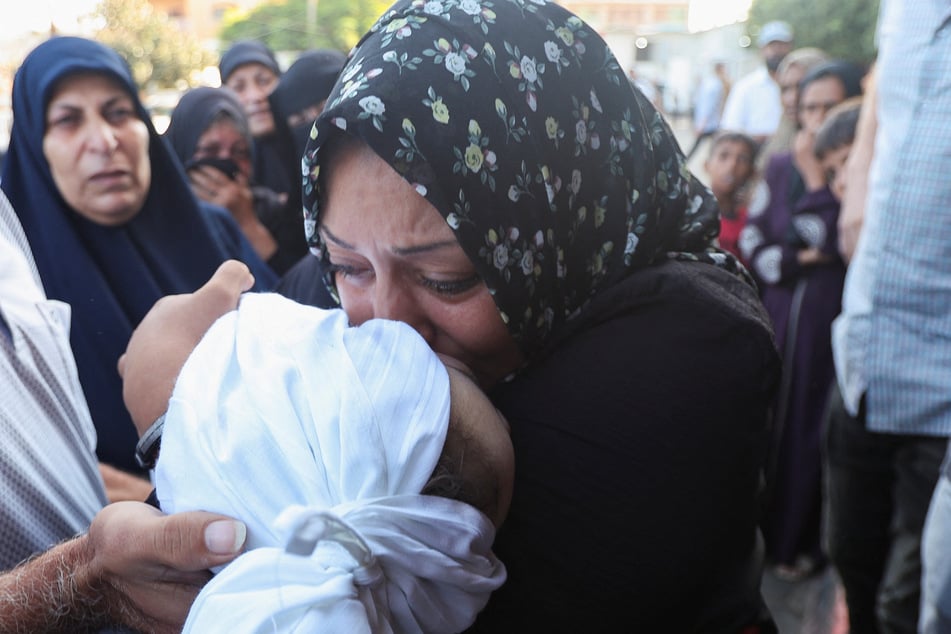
[210,134]
[371,475]
[834,143]
[730,168]
[792,251]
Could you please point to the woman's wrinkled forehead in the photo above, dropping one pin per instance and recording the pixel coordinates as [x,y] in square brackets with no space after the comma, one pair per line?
[72,78]
[64,56]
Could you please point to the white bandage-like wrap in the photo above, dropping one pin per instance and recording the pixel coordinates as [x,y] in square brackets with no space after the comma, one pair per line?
[320,437]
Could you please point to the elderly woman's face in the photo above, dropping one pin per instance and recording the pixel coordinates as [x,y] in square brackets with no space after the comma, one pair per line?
[98,149]
[395,257]
[253,83]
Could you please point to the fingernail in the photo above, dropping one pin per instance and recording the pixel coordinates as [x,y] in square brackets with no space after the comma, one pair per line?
[225,537]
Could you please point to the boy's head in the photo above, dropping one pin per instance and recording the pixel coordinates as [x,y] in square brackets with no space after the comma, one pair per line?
[730,163]
[834,142]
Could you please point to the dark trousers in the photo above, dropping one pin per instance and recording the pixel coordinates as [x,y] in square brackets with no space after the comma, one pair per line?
[878,488]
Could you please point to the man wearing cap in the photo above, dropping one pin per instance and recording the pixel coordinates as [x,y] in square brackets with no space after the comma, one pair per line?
[753,105]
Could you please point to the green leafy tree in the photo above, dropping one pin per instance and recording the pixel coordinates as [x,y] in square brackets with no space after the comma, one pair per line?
[286,26]
[844,29]
[159,53]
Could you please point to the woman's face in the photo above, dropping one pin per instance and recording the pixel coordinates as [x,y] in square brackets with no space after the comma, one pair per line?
[395,257]
[97,148]
[224,140]
[817,99]
[789,88]
[253,83]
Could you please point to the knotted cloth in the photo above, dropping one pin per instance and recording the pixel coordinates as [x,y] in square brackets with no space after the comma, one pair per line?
[320,436]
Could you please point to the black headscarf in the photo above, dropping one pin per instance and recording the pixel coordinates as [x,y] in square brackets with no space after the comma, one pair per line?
[195,112]
[110,276]
[849,74]
[518,125]
[306,84]
[247,52]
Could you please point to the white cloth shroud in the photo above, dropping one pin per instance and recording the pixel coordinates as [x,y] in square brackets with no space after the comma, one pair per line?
[308,429]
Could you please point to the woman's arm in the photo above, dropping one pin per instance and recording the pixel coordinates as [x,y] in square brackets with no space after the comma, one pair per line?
[235,195]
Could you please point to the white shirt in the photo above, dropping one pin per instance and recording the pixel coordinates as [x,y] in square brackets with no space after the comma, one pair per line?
[892,337]
[753,105]
[50,487]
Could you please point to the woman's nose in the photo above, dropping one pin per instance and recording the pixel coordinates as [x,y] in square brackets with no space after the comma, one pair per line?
[101,137]
[395,302]
[258,93]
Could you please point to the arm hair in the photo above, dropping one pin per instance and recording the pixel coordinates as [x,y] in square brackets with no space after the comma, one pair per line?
[53,592]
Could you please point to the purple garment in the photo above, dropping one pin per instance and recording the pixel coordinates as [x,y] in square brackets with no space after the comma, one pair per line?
[802,301]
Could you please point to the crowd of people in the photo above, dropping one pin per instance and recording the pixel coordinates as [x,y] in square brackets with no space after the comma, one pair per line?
[836,233]
[442,335]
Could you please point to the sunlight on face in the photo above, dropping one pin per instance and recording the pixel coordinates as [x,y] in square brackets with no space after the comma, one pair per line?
[97,148]
[395,257]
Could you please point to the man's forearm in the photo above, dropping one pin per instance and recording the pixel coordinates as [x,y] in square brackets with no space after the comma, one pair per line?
[136,567]
[53,592]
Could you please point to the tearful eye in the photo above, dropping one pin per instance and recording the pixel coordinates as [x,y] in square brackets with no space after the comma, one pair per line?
[348,271]
[452,287]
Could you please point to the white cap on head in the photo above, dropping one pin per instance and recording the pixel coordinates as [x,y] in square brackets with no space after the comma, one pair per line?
[775,31]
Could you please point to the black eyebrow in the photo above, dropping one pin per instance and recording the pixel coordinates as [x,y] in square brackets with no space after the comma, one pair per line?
[107,104]
[414,250]
[330,236]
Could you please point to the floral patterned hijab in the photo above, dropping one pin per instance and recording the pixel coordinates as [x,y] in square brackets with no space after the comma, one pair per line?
[515,121]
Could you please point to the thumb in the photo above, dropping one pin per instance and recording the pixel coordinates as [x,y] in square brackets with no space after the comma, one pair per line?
[130,536]
[197,540]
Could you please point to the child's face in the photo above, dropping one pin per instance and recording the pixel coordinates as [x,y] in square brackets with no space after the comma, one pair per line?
[730,165]
[833,164]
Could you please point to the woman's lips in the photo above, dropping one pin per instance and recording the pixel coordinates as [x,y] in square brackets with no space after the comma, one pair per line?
[110,179]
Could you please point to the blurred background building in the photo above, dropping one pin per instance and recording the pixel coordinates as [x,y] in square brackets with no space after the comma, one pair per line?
[203,18]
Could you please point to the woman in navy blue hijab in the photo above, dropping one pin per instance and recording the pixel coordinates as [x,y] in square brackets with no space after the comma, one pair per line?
[110,217]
